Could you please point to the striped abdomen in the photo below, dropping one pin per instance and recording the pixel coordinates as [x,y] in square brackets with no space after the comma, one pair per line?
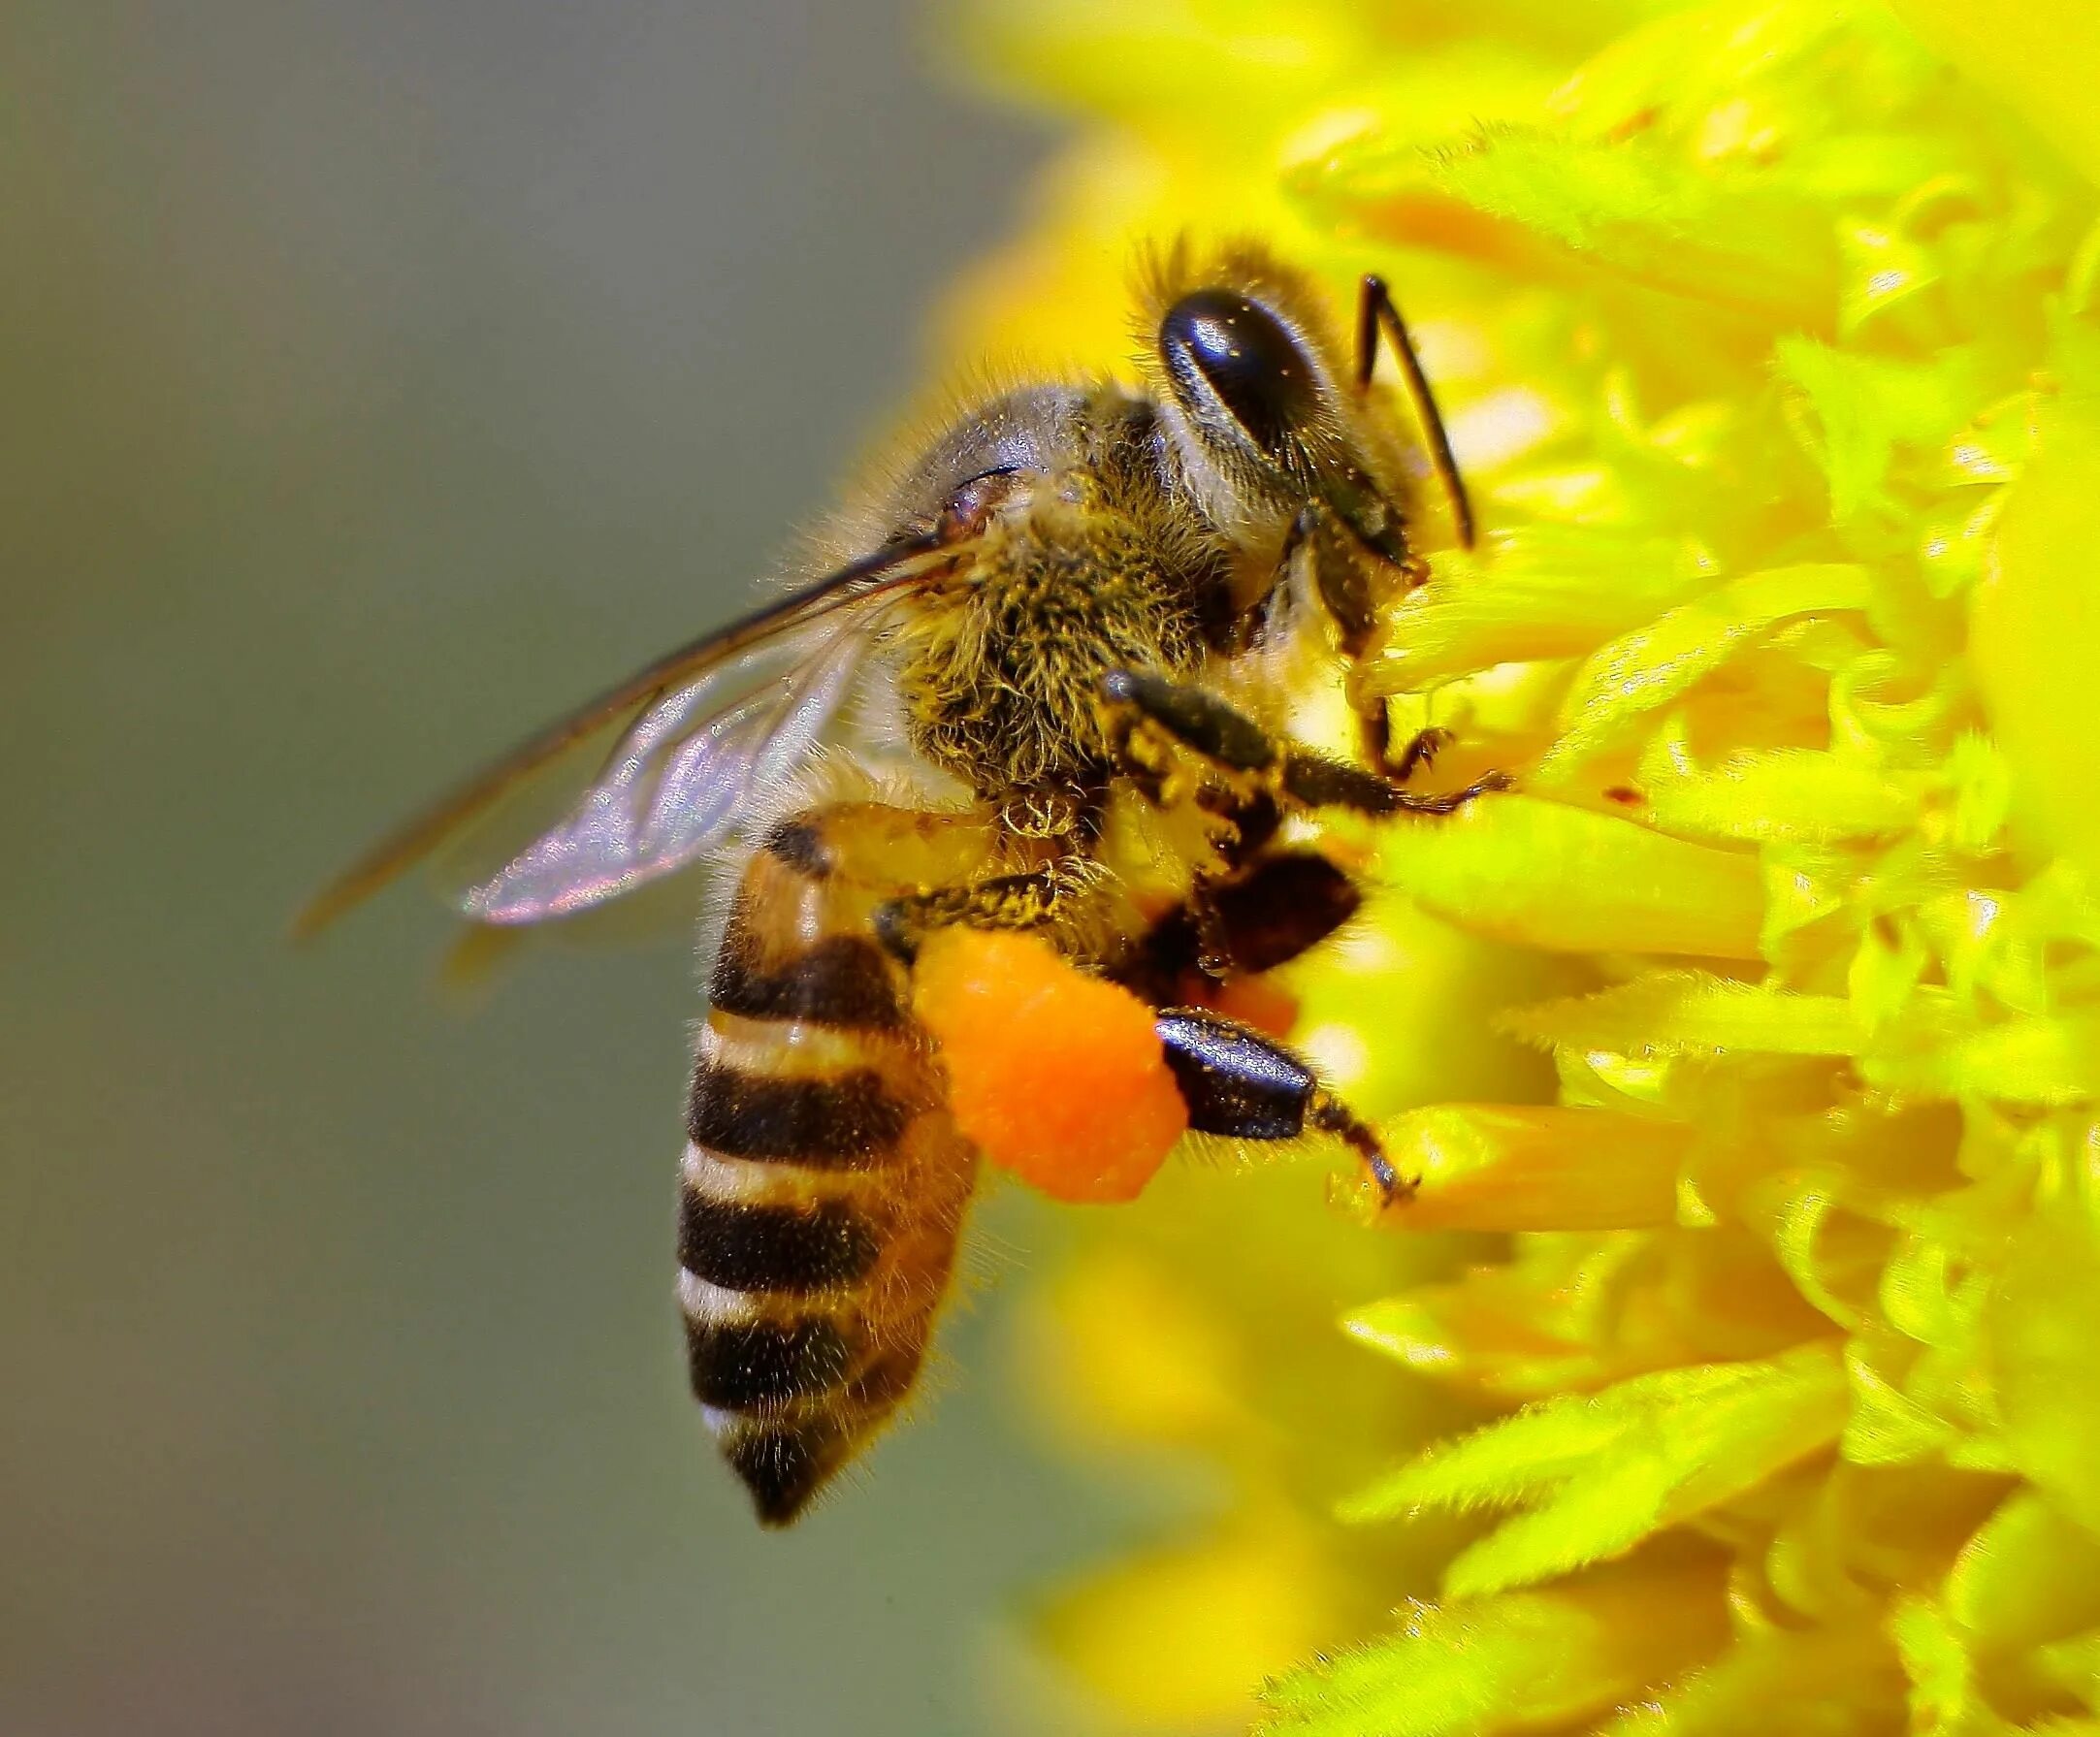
[823,1181]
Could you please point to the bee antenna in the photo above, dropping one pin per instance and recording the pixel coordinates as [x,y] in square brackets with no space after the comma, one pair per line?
[1376,311]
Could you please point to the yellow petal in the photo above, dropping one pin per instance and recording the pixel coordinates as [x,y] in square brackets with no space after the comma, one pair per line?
[1571,880]
[1492,1167]
[2042,58]
[1645,669]
[2036,643]
[1826,1683]
[2027,1576]
[1791,794]
[2040,1321]
[1538,592]
[1176,1640]
[1521,1662]
[1673,1011]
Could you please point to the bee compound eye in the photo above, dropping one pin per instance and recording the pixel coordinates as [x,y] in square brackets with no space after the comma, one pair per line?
[1246,357]
[972,502]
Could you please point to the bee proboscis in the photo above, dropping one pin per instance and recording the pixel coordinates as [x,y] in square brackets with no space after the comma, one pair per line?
[1063,623]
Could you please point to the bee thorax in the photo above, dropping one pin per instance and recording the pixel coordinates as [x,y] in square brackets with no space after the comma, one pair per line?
[1001,687]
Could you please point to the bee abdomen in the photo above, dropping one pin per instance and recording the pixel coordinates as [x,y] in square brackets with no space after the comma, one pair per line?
[841,980]
[792,1249]
[823,1181]
[808,1292]
[846,1121]
[783,1464]
[763,1362]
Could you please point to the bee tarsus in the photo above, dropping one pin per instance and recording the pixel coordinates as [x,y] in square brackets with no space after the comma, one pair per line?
[1420,752]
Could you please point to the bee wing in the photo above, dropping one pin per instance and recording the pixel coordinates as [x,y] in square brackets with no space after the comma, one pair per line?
[716,718]
[676,783]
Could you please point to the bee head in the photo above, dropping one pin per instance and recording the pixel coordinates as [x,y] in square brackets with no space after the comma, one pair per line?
[1243,376]
[1257,403]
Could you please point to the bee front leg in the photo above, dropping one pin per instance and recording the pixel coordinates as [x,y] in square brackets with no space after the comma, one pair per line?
[1338,577]
[1037,899]
[1244,1085]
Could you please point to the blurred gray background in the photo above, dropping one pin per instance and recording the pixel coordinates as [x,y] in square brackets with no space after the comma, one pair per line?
[378,378]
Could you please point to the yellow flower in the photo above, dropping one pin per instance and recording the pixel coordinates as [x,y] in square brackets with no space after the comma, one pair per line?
[1769,334]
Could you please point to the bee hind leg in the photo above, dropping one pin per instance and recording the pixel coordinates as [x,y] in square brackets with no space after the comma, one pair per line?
[1241,1085]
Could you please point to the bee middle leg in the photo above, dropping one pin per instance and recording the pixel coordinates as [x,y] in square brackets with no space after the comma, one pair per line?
[1241,1085]
[1229,739]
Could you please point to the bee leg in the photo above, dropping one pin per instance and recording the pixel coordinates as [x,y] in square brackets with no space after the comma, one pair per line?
[1338,577]
[1416,756]
[1244,1085]
[1034,900]
[1228,738]
[1344,593]
[1192,715]
[1376,312]
[1270,913]
[1314,781]
[1420,752]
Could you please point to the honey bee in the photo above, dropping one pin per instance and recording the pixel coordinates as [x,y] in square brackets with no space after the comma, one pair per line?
[1046,609]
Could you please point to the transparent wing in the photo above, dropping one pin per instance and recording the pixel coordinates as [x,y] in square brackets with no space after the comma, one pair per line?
[711,721]
[677,781]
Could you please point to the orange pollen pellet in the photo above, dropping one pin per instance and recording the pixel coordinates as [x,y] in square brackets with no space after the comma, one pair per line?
[1056,1075]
